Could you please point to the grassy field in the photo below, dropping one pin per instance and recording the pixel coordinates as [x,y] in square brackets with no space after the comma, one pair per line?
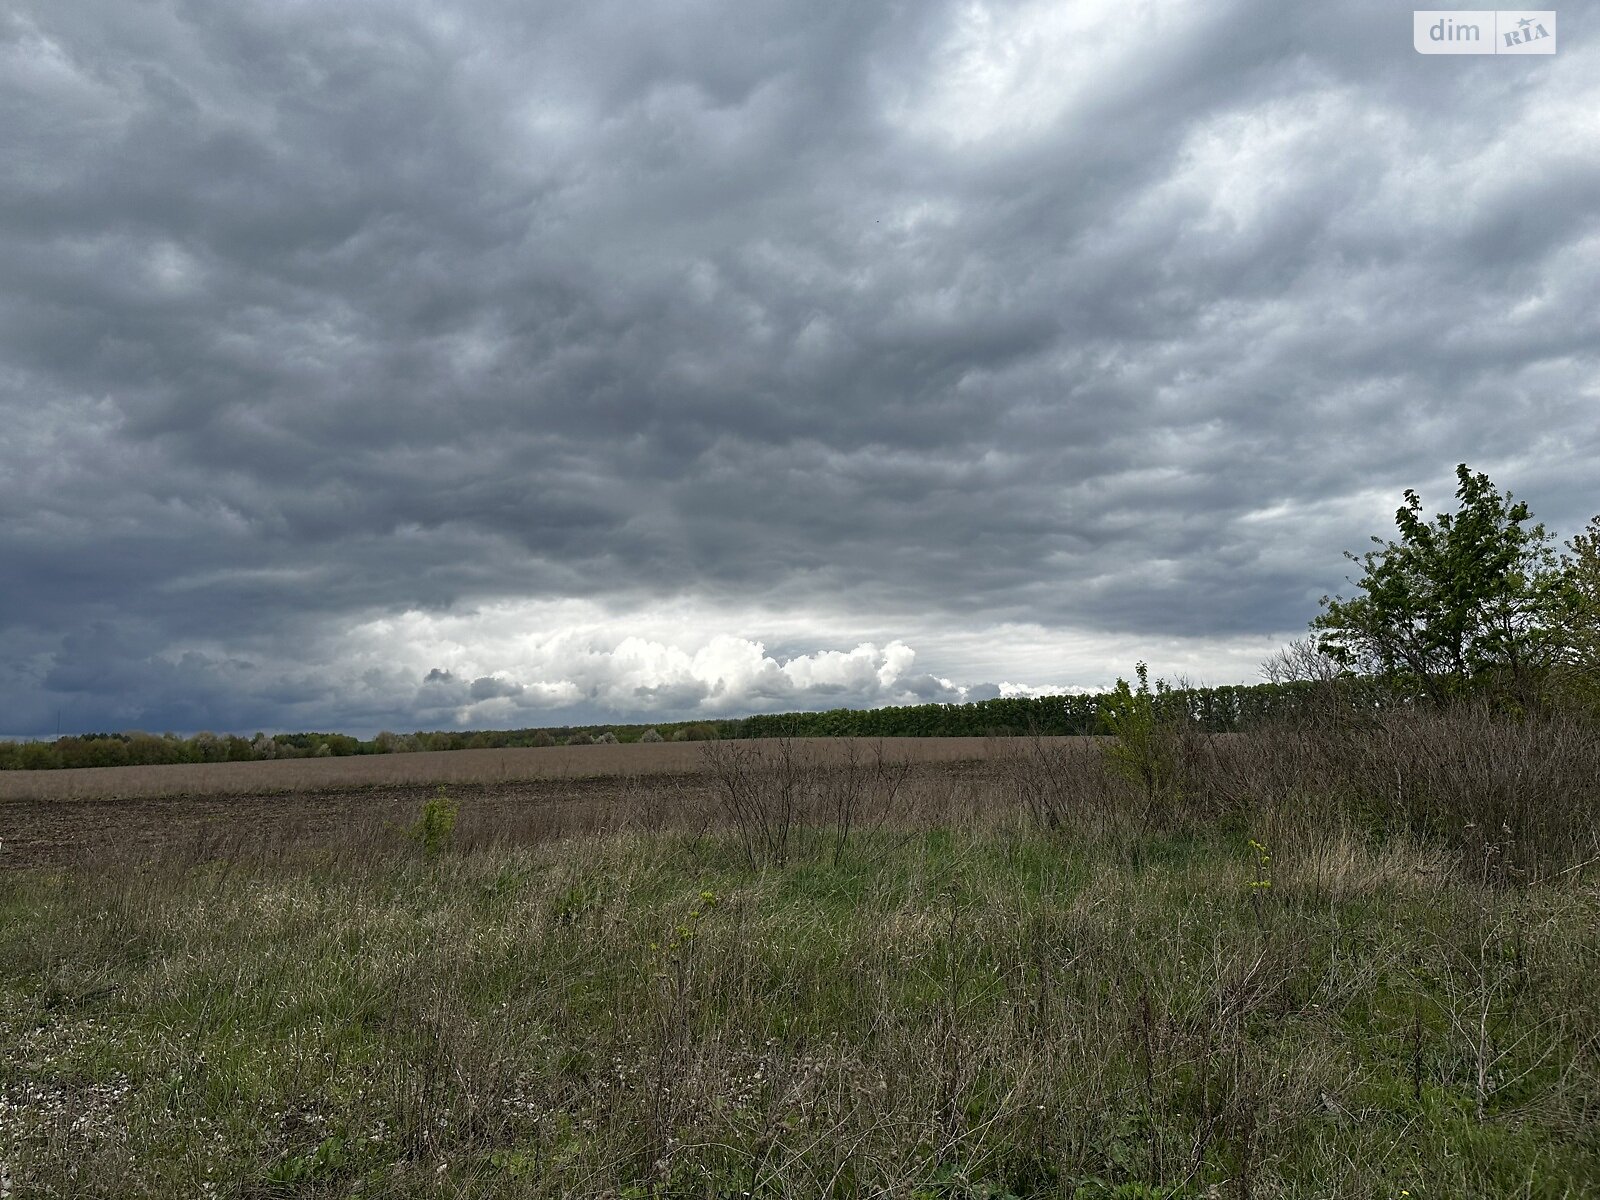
[780,976]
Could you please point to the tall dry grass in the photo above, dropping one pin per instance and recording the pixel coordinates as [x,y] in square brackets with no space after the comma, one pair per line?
[1506,800]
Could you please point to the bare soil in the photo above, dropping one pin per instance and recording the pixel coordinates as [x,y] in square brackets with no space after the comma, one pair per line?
[220,810]
[80,831]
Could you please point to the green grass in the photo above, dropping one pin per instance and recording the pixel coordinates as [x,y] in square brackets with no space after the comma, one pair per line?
[959,1013]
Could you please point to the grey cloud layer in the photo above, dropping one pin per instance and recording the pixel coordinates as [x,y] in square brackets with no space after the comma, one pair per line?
[312,314]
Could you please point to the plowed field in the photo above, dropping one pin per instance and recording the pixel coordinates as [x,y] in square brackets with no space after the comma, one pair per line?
[215,810]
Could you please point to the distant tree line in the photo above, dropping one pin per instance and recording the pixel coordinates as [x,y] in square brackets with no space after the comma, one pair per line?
[1215,709]
[1218,709]
[137,748]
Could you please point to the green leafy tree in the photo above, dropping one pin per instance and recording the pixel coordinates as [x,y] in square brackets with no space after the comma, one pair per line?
[1465,601]
[1579,671]
[1143,749]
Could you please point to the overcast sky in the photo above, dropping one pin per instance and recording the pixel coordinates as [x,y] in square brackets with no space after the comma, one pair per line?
[486,363]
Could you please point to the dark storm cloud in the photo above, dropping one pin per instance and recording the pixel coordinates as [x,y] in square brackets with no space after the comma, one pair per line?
[1004,313]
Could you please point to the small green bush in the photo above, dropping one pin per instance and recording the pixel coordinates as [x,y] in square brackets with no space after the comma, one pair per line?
[1143,750]
[435,825]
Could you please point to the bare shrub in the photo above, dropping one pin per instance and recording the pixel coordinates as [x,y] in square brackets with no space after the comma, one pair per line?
[782,801]
[1514,800]
[1325,694]
[1301,662]
[1061,784]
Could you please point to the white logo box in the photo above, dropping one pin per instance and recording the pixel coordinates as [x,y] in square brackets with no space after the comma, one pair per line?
[1484,31]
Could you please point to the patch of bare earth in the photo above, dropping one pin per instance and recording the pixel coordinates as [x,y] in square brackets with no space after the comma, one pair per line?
[220,810]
